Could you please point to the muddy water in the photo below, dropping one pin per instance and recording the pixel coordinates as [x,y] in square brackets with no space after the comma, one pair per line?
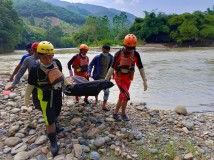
[175,77]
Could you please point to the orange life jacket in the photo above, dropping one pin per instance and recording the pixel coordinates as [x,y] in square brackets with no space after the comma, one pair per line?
[83,64]
[126,64]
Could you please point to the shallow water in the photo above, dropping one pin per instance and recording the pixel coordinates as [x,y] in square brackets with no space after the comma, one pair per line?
[175,77]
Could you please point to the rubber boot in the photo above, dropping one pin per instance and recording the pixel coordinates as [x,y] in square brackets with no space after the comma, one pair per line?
[58,128]
[54,146]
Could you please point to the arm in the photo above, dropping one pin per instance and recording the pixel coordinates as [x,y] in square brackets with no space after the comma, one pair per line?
[91,65]
[69,65]
[15,72]
[28,91]
[21,72]
[71,62]
[109,74]
[141,70]
[30,86]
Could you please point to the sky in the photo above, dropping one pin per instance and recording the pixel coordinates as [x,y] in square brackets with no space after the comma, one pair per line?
[137,7]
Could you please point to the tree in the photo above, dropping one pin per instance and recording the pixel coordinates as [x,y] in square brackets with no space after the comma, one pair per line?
[10,27]
[152,28]
[47,23]
[31,20]
[54,35]
[119,25]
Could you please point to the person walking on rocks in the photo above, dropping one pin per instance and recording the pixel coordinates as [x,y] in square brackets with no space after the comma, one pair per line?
[28,63]
[79,63]
[30,52]
[45,81]
[124,67]
[100,65]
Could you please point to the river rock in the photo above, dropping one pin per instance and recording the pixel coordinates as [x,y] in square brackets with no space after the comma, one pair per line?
[12,141]
[19,148]
[77,150]
[181,110]
[22,156]
[41,139]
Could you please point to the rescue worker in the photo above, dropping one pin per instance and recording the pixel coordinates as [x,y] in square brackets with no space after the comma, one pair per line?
[30,52]
[29,62]
[79,63]
[45,81]
[124,67]
[100,65]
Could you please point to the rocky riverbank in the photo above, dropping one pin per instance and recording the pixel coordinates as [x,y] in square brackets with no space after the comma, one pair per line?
[91,133]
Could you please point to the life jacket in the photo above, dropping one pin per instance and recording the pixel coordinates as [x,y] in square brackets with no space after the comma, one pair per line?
[126,64]
[53,79]
[83,64]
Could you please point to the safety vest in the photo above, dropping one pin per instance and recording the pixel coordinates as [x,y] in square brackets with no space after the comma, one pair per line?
[53,78]
[83,64]
[126,64]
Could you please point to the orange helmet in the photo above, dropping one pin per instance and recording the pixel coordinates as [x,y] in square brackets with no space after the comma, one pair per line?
[130,40]
[84,46]
[34,45]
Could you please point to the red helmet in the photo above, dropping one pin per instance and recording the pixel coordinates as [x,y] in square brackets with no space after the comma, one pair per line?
[84,46]
[130,40]
[34,45]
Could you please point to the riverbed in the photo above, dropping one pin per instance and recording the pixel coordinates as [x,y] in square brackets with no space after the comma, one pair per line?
[175,77]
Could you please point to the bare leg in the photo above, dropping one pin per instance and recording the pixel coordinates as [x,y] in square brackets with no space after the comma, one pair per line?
[118,105]
[104,104]
[96,99]
[124,104]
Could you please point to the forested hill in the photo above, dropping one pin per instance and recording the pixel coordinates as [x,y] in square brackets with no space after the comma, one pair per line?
[91,10]
[41,9]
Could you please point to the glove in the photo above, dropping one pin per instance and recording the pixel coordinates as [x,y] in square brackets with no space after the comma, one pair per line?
[145,85]
[27,102]
[108,75]
[71,72]
[143,75]
[28,92]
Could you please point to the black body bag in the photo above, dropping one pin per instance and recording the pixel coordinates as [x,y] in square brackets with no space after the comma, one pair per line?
[79,86]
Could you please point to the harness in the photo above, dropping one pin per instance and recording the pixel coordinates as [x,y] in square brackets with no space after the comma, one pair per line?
[126,64]
[83,64]
[52,81]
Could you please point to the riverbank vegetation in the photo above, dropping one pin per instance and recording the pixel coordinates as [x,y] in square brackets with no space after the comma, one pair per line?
[24,21]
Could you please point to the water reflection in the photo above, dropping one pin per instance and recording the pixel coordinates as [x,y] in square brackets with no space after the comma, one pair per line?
[174,77]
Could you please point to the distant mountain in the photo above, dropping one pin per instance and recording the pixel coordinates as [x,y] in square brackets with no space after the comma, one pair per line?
[41,9]
[89,9]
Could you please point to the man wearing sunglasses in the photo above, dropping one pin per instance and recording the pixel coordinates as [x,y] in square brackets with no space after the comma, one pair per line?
[124,67]
[45,82]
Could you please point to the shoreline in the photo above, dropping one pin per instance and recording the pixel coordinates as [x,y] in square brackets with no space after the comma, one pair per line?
[91,132]
[147,47]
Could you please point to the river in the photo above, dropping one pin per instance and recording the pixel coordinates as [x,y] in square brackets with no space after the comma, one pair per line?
[175,77]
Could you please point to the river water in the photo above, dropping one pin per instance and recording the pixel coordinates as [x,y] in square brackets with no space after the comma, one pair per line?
[175,77]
